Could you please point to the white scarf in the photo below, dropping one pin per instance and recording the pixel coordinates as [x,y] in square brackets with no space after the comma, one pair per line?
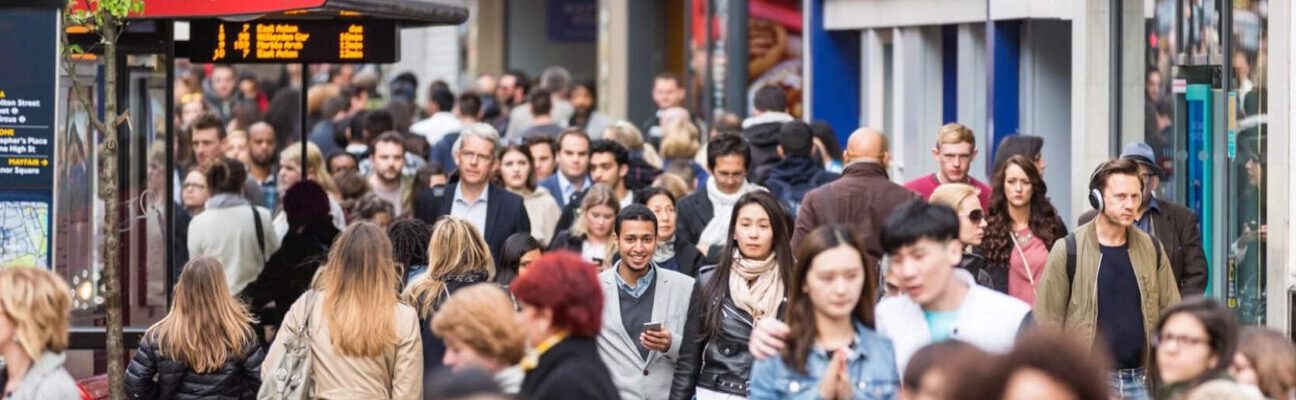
[716,232]
[755,285]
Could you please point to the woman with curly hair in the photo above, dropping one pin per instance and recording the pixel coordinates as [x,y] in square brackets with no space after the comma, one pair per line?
[1021,228]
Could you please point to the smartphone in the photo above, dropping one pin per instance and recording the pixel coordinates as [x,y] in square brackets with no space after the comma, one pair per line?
[652,326]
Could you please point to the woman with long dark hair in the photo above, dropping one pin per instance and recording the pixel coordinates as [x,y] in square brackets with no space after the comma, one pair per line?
[203,348]
[1021,228]
[520,250]
[748,285]
[1195,343]
[833,351]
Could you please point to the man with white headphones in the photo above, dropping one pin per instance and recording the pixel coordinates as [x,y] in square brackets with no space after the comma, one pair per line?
[1108,281]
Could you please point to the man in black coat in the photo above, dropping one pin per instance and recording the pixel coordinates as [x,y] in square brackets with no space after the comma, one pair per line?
[494,211]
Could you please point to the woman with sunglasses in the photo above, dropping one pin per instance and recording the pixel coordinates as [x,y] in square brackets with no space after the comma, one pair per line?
[963,199]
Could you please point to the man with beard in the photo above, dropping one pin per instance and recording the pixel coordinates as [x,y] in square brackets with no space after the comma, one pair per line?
[645,308]
[388,158]
[261,153]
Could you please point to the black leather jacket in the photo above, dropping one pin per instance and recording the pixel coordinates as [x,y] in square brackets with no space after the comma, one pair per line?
[719,362]
[986,274]
[154,376]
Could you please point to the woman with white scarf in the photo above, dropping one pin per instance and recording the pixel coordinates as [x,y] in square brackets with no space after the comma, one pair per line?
[748,285]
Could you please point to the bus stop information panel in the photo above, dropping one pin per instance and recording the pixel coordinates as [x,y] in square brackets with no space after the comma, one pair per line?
[293,41]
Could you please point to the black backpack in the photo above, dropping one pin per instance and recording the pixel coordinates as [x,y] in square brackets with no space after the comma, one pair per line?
[790,194]
[1071,255]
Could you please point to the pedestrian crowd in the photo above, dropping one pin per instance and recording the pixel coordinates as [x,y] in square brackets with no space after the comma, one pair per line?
[512,241]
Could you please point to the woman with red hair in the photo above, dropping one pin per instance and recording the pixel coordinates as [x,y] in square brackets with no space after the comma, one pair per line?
[562,309]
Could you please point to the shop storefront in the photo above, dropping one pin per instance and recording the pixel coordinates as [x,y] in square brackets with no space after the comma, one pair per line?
[1195,79]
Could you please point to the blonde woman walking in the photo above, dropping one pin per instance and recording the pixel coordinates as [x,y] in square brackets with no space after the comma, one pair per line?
[366,346]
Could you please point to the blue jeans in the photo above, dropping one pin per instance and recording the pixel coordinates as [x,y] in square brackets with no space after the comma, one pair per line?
[1128,384]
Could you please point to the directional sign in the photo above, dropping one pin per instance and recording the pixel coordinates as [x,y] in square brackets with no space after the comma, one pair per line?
[29,48]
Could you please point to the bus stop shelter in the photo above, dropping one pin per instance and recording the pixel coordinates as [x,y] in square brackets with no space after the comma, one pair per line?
[283,32]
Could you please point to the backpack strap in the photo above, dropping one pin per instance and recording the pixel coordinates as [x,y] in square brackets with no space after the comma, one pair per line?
[1071,257]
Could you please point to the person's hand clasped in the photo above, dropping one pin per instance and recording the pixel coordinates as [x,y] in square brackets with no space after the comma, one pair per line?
[835,383]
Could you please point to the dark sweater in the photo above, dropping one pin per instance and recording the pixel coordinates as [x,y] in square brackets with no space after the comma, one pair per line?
[1120,312]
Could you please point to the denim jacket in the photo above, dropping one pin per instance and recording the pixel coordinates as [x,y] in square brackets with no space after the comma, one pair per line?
[871,368]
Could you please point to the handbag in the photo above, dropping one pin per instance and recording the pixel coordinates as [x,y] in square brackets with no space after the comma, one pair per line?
[290,377]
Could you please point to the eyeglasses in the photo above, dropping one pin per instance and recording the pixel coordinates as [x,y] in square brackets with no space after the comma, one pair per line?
[976,216]
[1182,340]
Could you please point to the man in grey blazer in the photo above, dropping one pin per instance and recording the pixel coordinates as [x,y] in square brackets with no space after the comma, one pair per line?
[644,310]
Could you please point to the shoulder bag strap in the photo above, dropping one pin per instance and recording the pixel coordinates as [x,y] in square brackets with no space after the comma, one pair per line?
[1030,274]
[312,296]
[256,219]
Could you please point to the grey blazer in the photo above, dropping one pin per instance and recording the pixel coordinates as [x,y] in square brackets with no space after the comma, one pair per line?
[635,377]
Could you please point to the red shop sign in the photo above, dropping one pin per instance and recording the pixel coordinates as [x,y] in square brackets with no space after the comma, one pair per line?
[213,8]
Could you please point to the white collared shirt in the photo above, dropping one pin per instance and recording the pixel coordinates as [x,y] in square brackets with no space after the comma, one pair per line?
[475,212]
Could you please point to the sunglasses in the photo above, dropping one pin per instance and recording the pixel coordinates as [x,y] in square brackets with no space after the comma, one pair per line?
[976,216]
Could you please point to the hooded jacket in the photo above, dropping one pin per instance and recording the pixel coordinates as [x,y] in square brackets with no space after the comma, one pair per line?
[796,172]
[761,133]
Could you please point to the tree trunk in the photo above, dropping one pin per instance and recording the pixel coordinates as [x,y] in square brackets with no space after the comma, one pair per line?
[111,233]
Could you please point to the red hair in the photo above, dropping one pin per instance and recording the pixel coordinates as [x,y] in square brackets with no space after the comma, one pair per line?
[563,282]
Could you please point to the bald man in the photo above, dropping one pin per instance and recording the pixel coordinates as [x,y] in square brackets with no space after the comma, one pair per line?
[862,198]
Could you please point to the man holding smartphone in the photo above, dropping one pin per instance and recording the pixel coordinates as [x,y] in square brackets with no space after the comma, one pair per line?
[644,310]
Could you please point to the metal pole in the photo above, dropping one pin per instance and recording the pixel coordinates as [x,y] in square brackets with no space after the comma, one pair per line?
[1114,93]
[305,84]
[170,161]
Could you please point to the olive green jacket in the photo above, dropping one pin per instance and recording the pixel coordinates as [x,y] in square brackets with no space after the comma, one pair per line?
[1074,305]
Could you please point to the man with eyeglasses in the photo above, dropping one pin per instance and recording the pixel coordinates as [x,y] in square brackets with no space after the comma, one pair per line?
[1174,225]
[955,149]
[1107,282]
[493,210]
[704,215]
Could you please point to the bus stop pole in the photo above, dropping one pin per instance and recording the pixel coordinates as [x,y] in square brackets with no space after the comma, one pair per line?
[305,84]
